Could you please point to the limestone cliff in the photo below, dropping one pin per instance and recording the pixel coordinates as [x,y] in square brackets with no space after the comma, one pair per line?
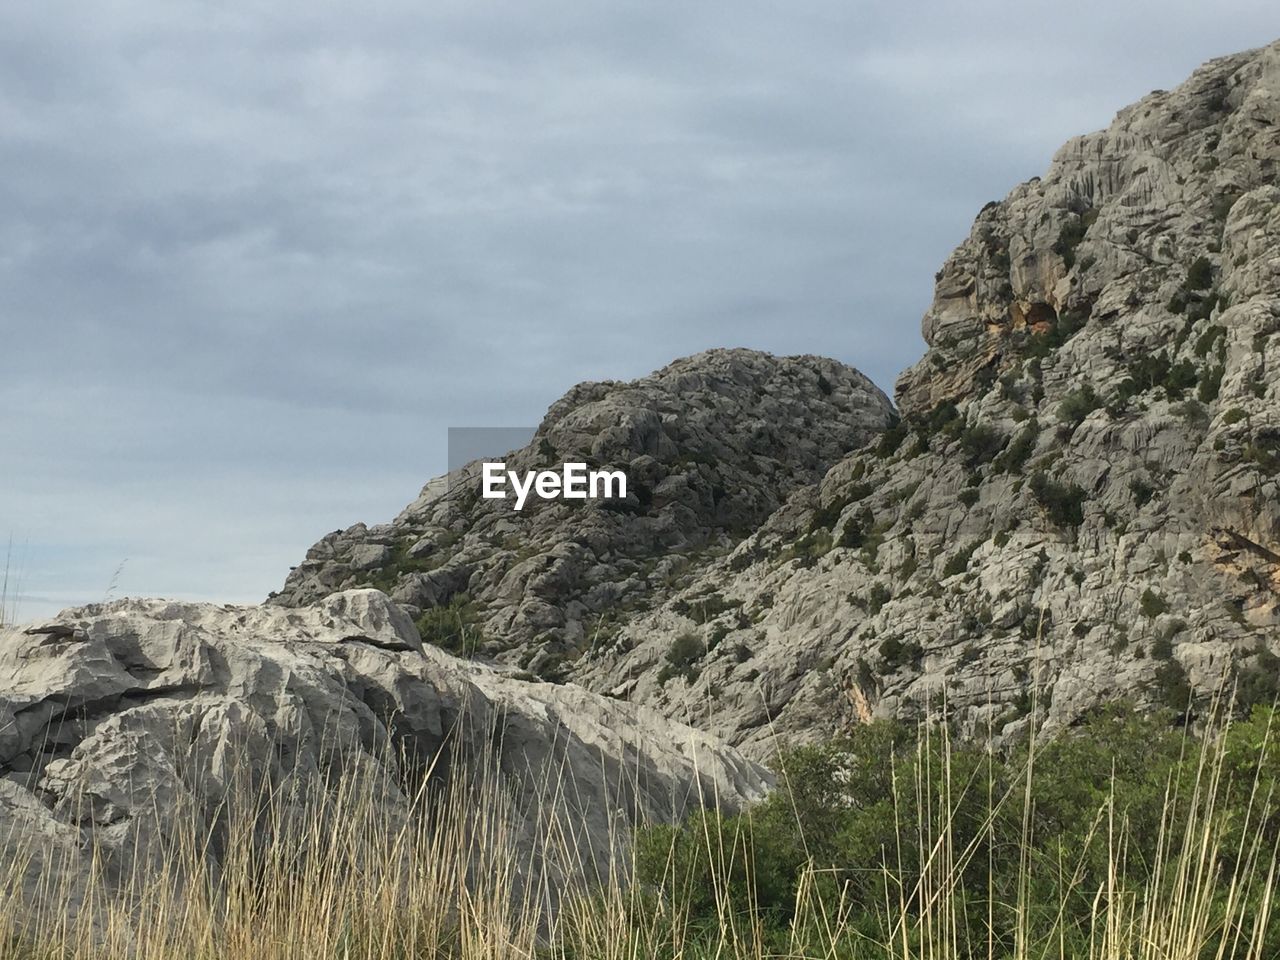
[126,727]
[1079,502]
[1082,501]
[711,445]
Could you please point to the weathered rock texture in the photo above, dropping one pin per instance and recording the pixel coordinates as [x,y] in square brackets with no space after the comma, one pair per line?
[117,721]
[711,445]
[1082,501]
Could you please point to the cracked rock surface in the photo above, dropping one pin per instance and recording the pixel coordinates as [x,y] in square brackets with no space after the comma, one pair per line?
[1080,502]
[117,719]
[711,446]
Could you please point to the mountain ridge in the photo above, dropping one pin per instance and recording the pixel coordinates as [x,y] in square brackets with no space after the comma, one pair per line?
[1074,500]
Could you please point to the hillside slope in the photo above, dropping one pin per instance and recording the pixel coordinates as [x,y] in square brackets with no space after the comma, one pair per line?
[712,445]
[1082,501]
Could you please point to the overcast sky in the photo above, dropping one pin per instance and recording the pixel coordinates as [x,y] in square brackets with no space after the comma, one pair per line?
[256,258]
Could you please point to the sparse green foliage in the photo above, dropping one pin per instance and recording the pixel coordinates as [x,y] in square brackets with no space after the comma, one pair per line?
[897,653]
[878,596]
[1206,341]
[862,821]
[1078,404]
[1172,687]
[1211,383]
[454,626]
[705,608]
[1200,275]
[891,440]
[1019,450]
[1142,491]
[1152,604]
[981,443]
[685,651]
[1156,370]
[1071,235]
[1223,203]
[825,516]
[1062,502]
[959,561]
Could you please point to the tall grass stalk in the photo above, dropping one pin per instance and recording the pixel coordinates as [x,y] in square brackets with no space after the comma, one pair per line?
[8,602]
[292,871]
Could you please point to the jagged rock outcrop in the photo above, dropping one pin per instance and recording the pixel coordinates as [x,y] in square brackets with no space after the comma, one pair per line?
[121,722]
[711,445]
[1082,501]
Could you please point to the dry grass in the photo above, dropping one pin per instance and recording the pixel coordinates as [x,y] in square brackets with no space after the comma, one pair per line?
[280,876]
[8,589]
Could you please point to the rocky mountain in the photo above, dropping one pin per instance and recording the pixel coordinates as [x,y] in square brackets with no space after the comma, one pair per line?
[711,445]
[1082,499]
[121,722]
[1079,501]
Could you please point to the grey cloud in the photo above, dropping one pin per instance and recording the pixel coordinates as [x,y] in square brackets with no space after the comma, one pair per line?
[255,260]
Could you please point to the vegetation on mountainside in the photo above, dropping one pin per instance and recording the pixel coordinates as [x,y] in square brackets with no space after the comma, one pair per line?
[1121,839]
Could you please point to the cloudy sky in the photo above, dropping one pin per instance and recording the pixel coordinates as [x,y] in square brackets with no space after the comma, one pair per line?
[256,258]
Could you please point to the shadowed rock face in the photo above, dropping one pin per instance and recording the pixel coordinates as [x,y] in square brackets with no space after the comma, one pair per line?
[1083,500]
[119,722]
[711,445]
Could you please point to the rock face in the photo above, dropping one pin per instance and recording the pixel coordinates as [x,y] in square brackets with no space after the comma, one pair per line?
[115,717]
[1082,501]
[711,446]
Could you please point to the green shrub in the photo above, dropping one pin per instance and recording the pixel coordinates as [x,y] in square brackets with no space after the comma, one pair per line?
[896,653]
[1200,275]
[1019,450]
[1152,604]
[943,420]
[1264,450]
[1078,404]
[454,626]
[891,440]
[825,516]
[878,596]
[1211,383]
[861,821]
[1156,370]
[1193,412]
[1207,339]
[1142,491]
[855,532]
[981,443]
[1172,687]
[1203,308]
[1062,502]
[685,651]
[1071,235]
[1223,203]
[705,608]
[959,561]
[1258,683]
